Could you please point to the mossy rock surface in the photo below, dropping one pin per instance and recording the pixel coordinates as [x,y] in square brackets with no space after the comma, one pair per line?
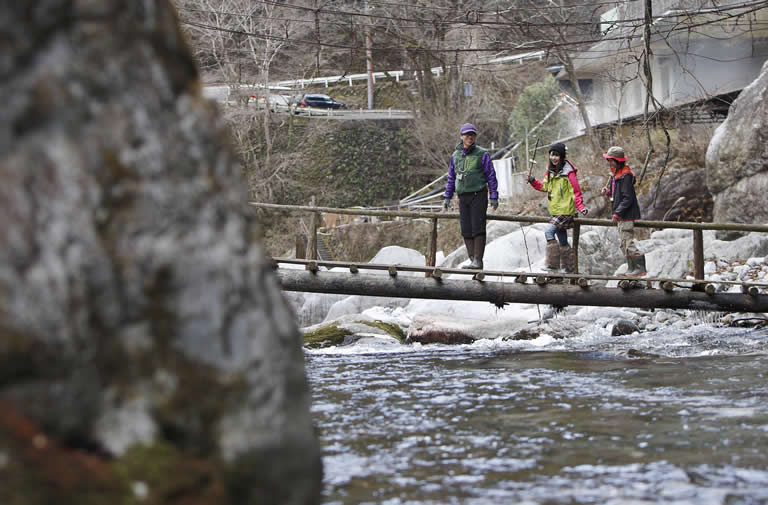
[163,471]
[326,336]
[524,334]
[390,328]
[343,331]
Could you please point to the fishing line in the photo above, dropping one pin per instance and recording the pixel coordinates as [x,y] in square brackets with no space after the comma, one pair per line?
[530,268]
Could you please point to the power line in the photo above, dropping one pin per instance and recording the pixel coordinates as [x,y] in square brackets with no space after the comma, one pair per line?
[423,8]
[538,45]
[461,23]
[495,12]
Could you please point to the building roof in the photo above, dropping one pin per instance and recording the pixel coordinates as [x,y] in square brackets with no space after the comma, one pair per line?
[624,41]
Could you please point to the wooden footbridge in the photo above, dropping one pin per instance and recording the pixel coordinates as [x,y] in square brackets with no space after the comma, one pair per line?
[500,287]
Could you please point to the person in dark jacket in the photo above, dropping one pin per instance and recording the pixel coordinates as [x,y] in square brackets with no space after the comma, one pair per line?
[472,176]
[625,209]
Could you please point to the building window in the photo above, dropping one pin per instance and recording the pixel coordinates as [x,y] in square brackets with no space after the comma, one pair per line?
[665,78]
[585,85]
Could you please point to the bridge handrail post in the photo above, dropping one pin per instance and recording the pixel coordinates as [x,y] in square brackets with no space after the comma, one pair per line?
[315,221]
[432,247]
[301,247]
[698,254]
[576,233]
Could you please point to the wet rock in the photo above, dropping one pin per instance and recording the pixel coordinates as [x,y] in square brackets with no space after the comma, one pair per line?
[327,335]
[524,334]
[349,329]
[128,262]
[351,339]
[634,353]
[624,327]
[729,236]
[435,335]
[699,479]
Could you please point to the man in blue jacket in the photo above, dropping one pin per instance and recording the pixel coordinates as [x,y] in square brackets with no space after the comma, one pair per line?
[471,175]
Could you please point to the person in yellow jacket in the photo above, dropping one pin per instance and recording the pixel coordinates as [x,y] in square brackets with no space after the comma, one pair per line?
[563,200]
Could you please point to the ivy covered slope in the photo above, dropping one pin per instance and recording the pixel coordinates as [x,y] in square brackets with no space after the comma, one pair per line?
[361,163]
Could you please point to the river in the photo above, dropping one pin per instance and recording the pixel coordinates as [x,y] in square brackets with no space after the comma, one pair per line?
[669,416]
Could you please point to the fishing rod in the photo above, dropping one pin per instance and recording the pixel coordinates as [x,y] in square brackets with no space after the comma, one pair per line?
[532,161]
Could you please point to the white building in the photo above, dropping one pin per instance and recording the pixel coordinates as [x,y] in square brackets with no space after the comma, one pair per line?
[697,52]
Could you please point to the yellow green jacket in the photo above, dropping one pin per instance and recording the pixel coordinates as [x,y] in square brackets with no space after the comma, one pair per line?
[563,191]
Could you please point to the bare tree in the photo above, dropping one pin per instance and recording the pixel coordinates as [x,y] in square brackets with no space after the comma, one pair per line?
[560,28]
[243,39]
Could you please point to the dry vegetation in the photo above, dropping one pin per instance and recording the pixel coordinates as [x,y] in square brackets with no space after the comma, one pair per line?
[288,159]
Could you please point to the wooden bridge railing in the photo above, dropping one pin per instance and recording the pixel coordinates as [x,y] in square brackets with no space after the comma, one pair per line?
[697,228]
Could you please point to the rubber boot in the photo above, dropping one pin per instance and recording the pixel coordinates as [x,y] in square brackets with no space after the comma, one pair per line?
[477,263]
[630,266]
[552,261]
[469,243]
[566,259]
[636,266]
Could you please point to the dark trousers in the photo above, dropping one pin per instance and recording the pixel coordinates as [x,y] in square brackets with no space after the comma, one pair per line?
[472,209]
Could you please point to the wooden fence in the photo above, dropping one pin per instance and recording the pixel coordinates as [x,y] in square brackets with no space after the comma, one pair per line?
[697,228]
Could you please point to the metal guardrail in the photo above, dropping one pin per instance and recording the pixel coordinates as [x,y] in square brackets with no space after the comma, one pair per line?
[301,83]
[351,113]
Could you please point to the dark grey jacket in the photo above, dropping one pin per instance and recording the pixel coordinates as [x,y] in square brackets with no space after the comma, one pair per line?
[623,198]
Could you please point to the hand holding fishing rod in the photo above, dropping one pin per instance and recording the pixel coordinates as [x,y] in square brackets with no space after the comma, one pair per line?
[606,189]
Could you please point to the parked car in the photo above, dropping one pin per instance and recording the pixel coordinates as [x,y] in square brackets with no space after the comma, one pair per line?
[277,103]
[320,102]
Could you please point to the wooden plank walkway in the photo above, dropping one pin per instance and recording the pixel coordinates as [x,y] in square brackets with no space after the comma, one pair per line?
[527,287]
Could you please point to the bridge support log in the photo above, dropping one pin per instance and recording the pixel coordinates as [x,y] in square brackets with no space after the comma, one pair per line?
[512,292]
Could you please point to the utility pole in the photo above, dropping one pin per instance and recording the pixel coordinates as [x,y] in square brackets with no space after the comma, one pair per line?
[369,62]
[369,65]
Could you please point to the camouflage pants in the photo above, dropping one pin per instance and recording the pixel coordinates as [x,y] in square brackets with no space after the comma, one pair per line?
[627,238]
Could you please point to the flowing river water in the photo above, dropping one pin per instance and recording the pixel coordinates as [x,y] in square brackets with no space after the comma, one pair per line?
[670,416]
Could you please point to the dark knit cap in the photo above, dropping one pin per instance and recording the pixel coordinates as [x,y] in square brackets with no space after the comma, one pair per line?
[558,148]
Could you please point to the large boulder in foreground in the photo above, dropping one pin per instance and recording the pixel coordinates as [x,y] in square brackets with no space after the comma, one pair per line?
[146,353]
[737,157]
